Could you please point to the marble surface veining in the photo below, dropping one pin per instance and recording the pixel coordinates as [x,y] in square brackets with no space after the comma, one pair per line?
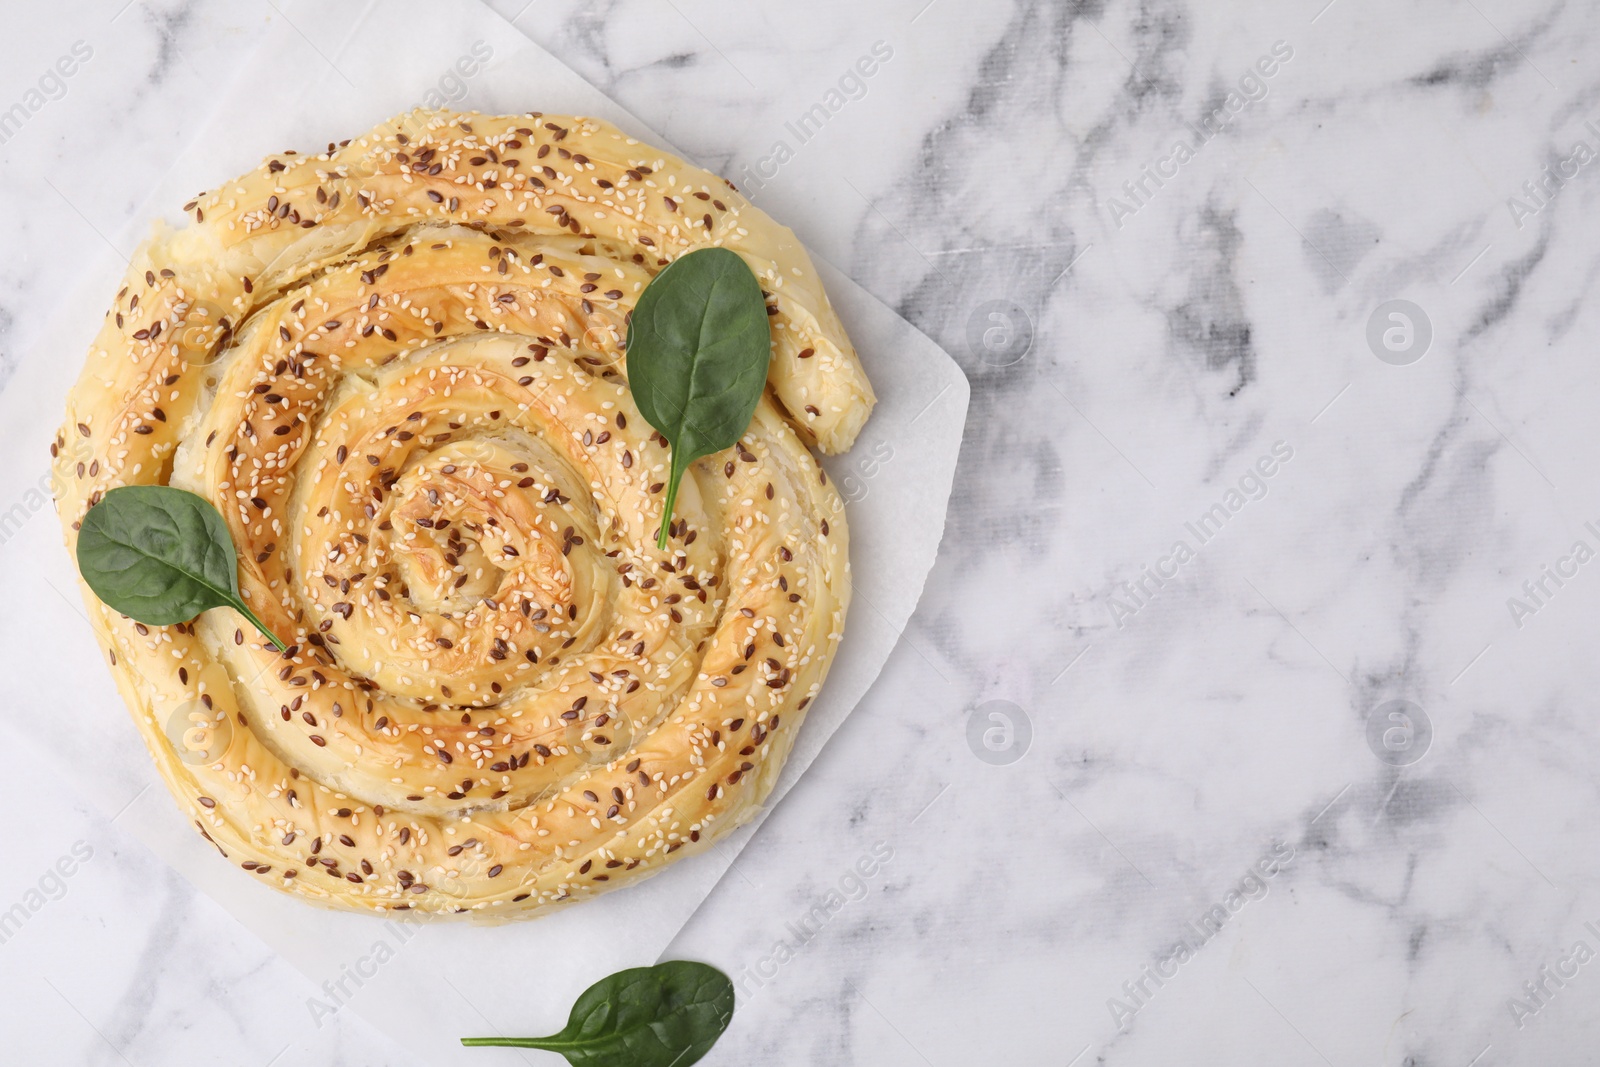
[1249,713]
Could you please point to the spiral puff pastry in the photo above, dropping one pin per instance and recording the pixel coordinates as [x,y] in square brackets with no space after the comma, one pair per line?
[397,370]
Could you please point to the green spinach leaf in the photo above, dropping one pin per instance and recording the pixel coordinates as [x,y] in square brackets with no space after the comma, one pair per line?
[698,348]
[161,556]
[668,1015]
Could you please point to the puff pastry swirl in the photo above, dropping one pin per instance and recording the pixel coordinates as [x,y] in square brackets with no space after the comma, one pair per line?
[396,369]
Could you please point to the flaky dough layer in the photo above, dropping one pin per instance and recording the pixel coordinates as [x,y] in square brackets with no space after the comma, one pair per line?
[396,368]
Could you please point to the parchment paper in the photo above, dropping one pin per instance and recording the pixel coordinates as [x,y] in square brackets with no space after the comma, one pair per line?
[322,73]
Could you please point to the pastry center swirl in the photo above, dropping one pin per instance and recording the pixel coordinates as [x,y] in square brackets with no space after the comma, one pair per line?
[462,530]
[470,549]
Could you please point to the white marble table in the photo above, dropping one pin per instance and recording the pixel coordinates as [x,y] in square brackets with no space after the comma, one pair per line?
[1223,511]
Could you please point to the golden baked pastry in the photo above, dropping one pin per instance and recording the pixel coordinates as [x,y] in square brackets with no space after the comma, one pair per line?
[396,368]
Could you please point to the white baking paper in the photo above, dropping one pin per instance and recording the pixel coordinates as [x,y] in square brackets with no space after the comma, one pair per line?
[322,73]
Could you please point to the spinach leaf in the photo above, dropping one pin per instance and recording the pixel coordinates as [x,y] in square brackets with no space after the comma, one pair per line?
[161,556]
[698,347]
[668,1015]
